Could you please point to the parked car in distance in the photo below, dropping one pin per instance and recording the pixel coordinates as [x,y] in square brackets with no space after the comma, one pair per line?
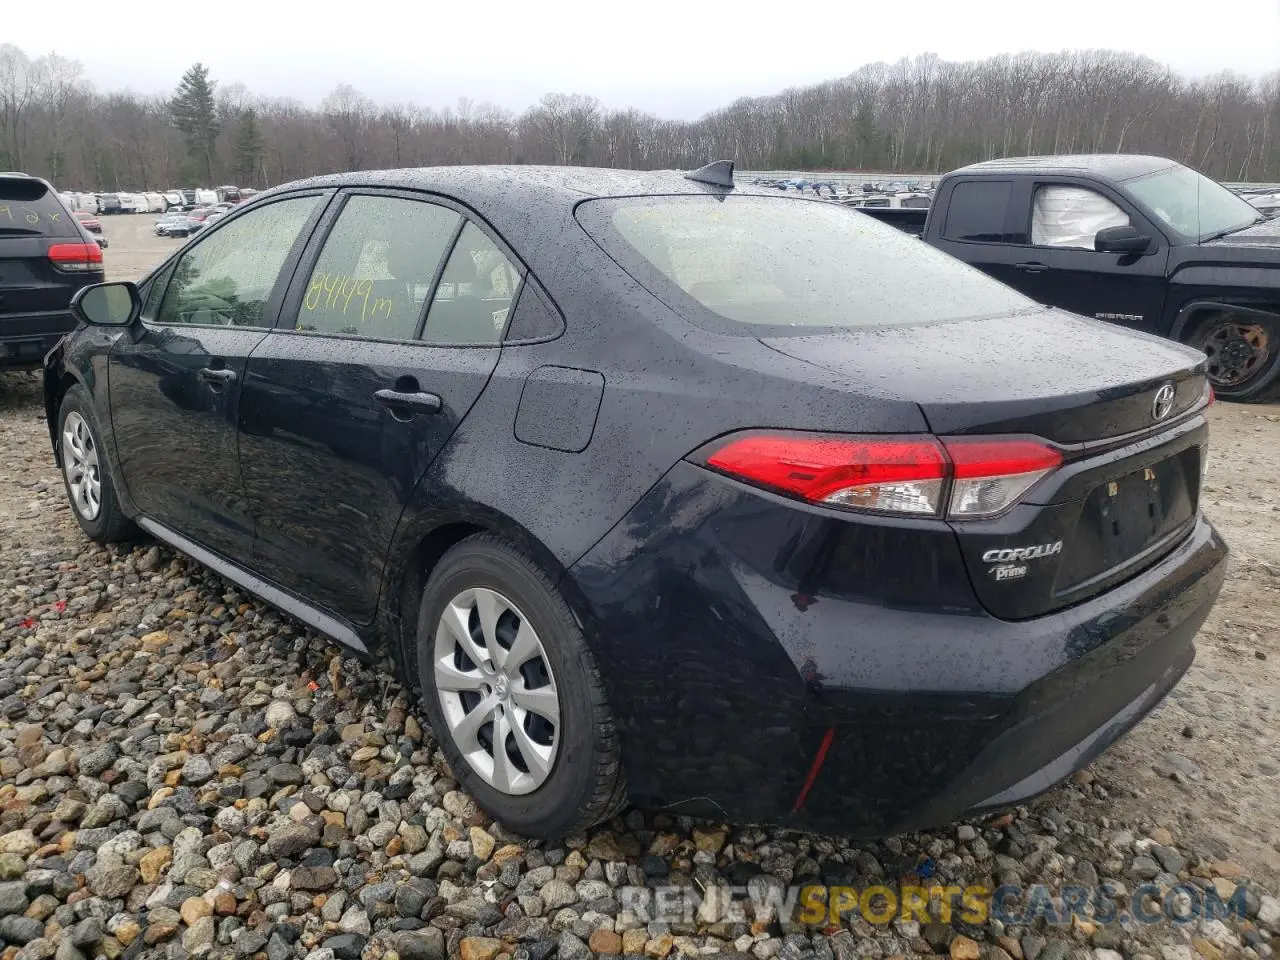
[206,198]
[156,202]
[109,203]
[172,199]
[198,213]
[88,221]
[849,537]
[176,224]
[46,256]
[1139,241]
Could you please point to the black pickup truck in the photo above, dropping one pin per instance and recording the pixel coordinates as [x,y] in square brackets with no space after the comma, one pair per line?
[1139,241]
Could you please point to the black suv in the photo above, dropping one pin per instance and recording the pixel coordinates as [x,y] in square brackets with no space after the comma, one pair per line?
[45,257]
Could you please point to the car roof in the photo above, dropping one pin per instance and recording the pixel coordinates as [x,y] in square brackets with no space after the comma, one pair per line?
[1109,166]
[482,186]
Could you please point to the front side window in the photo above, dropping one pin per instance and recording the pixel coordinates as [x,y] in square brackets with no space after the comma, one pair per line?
[228,276]
[794,265]
[1071,217]
[476,291]
[978,211]
[374,275]
[1193,206]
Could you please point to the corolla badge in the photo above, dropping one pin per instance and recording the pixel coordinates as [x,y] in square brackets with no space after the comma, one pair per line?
[1162,405]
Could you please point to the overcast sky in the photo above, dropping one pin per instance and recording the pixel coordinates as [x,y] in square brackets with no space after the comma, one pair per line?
[676,58]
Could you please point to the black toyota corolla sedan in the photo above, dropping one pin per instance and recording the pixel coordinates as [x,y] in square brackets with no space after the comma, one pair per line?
[728,502]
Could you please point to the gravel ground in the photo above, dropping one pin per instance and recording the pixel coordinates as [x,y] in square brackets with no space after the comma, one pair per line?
[186,772]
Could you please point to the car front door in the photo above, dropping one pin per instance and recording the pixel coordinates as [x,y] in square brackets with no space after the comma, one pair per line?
[387,337]
[174,385]
[1060,267]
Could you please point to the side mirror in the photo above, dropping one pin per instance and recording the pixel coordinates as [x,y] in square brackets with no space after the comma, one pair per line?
[107,304]
[1125,239]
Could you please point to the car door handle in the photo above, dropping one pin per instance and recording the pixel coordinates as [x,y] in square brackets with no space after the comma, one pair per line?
[1031,267]
[420,402]
[219,376]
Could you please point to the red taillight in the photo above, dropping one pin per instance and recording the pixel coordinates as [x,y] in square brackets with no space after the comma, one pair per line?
[76,257]
[1211,397]
[888,474]
[900,474]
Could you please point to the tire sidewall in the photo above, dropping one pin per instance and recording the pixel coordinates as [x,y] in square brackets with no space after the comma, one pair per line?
[554,806]
[108,518]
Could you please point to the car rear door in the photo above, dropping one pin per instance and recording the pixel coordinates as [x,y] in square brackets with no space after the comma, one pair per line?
[388,335]
[174,384]
[978,223]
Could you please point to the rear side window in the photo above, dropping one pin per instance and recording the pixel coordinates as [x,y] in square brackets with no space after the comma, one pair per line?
[742,263]
[978,211]
[475,294]
[374,275]
[28,207]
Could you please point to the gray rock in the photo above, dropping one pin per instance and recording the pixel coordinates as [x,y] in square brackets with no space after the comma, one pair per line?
[197,770]
[290,839]
[13,897]
[87,932]
[355,920]
[425,944]
[557,893]
[570,947]
[19,929]
[346,946]
[1143,868]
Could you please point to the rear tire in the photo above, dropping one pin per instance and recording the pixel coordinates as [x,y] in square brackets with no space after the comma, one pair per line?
[553,778]
[1244,355]
[86,472]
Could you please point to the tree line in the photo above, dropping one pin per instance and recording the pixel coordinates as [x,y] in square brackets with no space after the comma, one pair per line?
[923,115]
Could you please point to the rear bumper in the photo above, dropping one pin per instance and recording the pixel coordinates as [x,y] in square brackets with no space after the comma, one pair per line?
[735,643]
[26,337]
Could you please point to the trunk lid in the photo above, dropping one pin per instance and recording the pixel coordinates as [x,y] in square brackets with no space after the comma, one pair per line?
[1128,489]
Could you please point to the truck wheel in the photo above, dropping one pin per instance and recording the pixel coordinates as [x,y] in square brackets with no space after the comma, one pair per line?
[1244,356]
[513,692]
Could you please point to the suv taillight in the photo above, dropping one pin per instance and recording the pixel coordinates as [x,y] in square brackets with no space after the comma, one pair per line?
[918,475]
[76,257]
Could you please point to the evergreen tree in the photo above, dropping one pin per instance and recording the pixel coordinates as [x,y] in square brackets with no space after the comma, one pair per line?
[247,149]
[194,114]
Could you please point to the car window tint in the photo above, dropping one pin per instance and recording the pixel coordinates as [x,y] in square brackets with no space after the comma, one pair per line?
[29,208]
[1071,217]
[978,211]
[475,294]
[155,293]
[227,277]
[374,274]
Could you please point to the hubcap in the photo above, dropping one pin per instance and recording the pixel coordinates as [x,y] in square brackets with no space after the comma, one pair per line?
[80,461]
[497,691]
[1236,351]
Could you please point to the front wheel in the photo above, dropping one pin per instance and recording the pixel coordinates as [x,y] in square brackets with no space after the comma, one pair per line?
[85,473]
[513,692]
[1243,353]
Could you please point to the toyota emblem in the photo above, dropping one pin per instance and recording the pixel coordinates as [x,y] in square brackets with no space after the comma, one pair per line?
[1162,405]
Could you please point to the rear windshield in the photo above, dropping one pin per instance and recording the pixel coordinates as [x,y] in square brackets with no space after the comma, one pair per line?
[787,264]
[28,207]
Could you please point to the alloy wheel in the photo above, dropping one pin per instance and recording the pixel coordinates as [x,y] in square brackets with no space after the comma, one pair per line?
[497,690]
[80,461]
